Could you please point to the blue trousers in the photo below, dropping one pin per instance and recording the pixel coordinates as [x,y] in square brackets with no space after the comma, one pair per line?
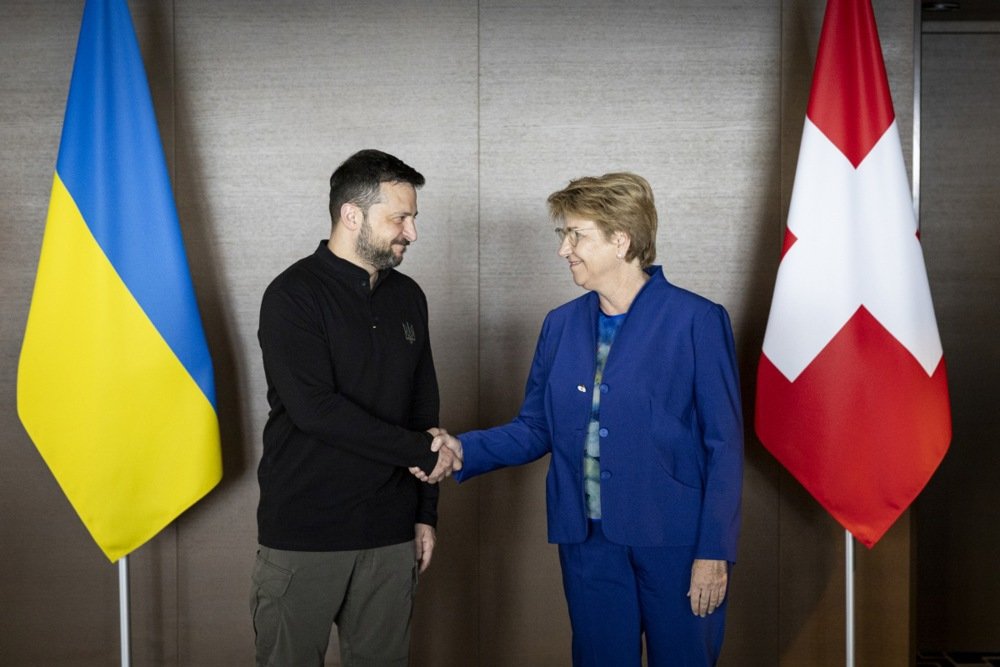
[616,594]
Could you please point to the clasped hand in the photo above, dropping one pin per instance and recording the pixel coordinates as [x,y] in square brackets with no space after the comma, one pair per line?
[449,449]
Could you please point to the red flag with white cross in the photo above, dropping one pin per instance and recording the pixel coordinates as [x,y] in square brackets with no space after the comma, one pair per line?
[852,394]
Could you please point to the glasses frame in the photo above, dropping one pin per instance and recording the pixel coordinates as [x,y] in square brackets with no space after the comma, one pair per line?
[573,235]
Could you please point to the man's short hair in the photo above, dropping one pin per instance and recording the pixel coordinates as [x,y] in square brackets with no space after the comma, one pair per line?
[357,180]
[616,202]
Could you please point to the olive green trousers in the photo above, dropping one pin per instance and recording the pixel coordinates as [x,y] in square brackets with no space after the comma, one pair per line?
[297,597]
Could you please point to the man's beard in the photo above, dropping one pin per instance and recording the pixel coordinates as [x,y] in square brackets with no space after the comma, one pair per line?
[380,256]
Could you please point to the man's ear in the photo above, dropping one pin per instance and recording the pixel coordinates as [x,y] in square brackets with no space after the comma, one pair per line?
[351,215]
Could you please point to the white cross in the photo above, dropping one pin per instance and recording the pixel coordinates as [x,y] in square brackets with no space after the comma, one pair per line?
[857,246]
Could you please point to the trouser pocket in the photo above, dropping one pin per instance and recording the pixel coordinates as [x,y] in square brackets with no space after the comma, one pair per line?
[270,583]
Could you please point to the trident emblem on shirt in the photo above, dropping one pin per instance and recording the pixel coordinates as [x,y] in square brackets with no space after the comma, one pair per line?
[408,333]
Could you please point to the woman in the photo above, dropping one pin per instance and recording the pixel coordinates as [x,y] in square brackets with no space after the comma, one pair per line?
[634,391]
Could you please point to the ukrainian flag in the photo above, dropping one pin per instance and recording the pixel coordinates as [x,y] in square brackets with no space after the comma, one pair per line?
[115,383]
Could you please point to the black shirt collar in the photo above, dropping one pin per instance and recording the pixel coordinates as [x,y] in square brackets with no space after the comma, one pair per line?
[348,271]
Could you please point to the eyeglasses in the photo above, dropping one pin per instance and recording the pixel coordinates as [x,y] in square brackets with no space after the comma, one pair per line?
[572,234]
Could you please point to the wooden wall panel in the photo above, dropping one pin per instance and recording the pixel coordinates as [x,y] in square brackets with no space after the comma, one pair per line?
[688,97]
[272,98]
[252,159]
[498,104]
[958,517]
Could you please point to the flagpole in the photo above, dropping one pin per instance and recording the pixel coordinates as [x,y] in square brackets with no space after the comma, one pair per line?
[123,610]
[849,597]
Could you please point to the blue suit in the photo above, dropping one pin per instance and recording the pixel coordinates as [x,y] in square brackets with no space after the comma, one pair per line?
[671,425]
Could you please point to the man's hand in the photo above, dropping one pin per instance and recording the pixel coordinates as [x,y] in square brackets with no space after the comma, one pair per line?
[449,449]
[708,585]
[424,539]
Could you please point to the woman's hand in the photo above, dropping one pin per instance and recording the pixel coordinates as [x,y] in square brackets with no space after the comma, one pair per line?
[708,585]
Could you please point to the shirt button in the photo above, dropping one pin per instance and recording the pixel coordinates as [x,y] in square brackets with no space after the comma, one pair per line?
[603,432]
[605,474]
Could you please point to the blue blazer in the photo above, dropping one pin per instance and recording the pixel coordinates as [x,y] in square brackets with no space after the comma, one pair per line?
[671,423]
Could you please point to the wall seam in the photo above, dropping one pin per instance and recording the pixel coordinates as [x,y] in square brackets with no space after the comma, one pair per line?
[479,316]
[913,638]
[781,191]
[173,180]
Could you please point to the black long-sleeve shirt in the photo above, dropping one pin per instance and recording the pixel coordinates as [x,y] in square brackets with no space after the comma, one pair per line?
[352,390]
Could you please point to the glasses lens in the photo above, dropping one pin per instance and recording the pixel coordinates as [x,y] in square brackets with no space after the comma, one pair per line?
[572,234]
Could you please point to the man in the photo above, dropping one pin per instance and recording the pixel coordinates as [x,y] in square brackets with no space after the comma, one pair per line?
[343,527]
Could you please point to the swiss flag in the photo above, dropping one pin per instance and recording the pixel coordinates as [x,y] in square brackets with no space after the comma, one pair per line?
[852,396]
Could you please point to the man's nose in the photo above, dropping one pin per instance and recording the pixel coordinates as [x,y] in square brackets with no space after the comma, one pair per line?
[410,229]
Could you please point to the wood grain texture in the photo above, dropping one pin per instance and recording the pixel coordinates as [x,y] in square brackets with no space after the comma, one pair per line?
[498,104]
[686,95]
[958,516]
[274,97]
[250,176]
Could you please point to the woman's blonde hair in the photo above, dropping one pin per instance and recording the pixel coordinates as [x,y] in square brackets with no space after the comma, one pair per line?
[616,202]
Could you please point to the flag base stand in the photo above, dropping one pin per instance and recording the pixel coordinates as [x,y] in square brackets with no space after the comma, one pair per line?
[123,611]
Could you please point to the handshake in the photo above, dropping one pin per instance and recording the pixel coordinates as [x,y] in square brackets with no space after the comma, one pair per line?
[449,449]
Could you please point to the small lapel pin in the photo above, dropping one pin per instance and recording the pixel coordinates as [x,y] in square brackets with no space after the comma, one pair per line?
[581,388]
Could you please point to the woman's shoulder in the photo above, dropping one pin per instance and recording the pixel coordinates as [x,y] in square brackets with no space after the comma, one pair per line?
[663,291]
[583,304]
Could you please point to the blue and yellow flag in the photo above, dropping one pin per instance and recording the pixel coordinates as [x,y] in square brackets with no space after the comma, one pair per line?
[115,382]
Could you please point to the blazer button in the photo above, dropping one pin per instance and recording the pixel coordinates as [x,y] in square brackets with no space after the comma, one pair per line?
[605,474]
[604,388]
[603,432]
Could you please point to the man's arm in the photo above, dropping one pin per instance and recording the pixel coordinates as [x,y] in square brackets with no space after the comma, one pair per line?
[425,408]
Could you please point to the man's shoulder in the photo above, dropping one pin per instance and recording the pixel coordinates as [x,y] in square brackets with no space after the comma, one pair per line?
[300,278]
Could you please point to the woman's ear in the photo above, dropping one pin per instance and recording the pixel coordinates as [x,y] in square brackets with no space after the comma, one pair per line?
[622,242]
